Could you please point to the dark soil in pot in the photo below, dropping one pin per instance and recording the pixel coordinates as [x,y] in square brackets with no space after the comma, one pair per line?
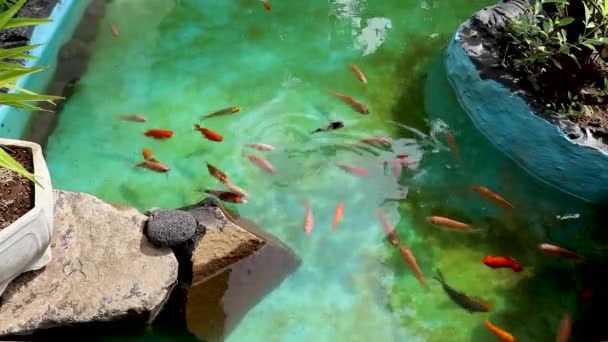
[16,192]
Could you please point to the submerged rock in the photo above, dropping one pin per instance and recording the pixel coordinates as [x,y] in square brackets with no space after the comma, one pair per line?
[225,269]
[170,227]
[103,270]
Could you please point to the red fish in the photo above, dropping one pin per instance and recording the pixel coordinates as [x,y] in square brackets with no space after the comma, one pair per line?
[388,227]
[337,216]
[565,329]
[407,254]
[261,147]
[498,332]
[217,173]
[261,163]
[154,166]
[354,170]
[358,73]
[209,134]
[499,261]
[134,117]
[452,142]
[236,189]
[352,102]
[148,155]
[560,251]
[227,196]
[488,194]
[159,133]
[267,5]
[308,218]
[444,221]
[588,293]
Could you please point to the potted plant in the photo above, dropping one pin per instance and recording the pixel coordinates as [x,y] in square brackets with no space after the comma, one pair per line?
[26,193]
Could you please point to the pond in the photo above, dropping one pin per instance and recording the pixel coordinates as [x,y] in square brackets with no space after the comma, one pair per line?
[174,61]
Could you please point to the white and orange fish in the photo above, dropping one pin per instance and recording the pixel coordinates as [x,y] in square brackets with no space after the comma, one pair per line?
[560,251]
[492,196]
[308,218]
[337,216]
[261,163]
[452,143]
[154,166]
[114,30]
[134,117]
[148,155]
[261,147]
[357,171]
[446,222]
[236,189]
[387,227]
[358,73]
[407,254]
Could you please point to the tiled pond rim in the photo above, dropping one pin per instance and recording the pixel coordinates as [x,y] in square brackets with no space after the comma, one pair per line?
[531,136]
[65,15]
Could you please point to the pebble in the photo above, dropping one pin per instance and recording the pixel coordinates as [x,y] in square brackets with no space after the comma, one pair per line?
[170,227]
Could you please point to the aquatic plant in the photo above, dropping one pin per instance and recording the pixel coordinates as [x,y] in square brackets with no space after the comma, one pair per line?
[11,70]
[560,49]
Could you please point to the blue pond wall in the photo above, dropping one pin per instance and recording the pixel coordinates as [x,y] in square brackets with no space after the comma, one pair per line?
[539,147]
[65,16]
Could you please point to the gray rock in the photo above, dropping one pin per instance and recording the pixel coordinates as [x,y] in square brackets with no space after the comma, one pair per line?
[103,270]
[170,227]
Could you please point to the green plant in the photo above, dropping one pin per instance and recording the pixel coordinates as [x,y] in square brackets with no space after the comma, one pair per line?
[11,71]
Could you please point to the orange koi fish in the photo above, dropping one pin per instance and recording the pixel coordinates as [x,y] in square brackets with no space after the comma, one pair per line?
[471,304]
[147,154]
[159,133]
[358,73]
[376,140]
[134,117]
[261,147]
[388,227]
[357,171]
[337,216]
[261,163]
[452,142]
[352,102]
[266,5]
[499,261]
[236,189]
[227,196]
[498,332]
[221,112]
[209,134]
[114,30]
[565,329]
[154,166]
[407,254]
[444,221]
[217,173]
[560,251]
[308,218]
[489,195]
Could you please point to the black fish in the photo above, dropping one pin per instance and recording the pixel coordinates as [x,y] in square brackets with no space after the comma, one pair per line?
[471,304]
[331,127]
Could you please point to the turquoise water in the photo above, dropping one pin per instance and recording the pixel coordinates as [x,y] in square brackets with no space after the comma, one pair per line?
[176,60]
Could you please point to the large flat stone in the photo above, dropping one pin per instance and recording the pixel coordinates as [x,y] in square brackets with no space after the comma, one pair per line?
[103,269]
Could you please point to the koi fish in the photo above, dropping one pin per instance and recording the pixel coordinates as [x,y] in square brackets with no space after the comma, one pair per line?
[446,222]
[337,216]
[209,134]
[498,332]
[134,117]
[261,147]
[217,173]
[159,133]
[261,163]
[266,5]
[560,251]
[114,30]
[499,261]
[565,329]
[236,189]
[402,156]
[407,254]
[588,293]
[221,112]
[471,304]
[308,218]
[396,169]
[226,196]
[352,102]
[358,73]
[376,140]
[147,154]
[388,227]
[357,171]
[331,127]
[154,166]
[489,195]
[452,143]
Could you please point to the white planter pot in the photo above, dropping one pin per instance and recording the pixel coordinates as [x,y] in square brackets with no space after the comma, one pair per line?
[25,244]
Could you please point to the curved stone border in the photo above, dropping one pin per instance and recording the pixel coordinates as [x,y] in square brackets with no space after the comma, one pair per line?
[548,146]
[65,15]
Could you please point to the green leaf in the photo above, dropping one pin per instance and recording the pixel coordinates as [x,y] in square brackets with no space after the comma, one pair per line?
[587,13]
[565,21]
[19,22]
[7,53]
[10,163]
[25,106]
[8,75]
[10,13]
[565,2]
[6,98]
[596,41]
[12,66]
